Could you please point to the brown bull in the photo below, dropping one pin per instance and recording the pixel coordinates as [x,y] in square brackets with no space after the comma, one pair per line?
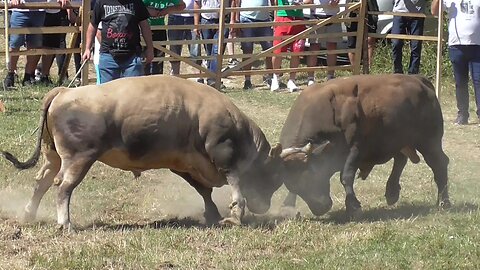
[154,122]
[351,124]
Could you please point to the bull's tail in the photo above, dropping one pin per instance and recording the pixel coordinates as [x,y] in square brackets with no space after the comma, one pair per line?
[47,100]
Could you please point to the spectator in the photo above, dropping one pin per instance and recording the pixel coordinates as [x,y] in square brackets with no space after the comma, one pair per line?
[24,18]
[120,40]
[183,34]
[329,8]
[287,16]
[407,25]
[254,16]
[210,18]
[464,50]
[371,28]
[158,9]
[53,17]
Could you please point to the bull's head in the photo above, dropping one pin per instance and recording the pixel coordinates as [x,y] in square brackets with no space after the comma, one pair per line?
[262,180]
[307,172]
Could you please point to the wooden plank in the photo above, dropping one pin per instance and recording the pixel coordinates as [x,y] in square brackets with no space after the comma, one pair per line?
[73,41]
[44,5]
[401,14]
[43,51]
[43,30]
[360,33]
[6,31]
[221,44]
[438,72]
[406,37]
[85,22]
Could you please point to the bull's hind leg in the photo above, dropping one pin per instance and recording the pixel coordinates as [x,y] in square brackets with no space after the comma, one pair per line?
[392,191]
[347,177]
[437,160]
[73,171]
[211,214]
[44,179]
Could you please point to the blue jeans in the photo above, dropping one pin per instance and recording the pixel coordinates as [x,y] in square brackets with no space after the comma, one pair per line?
[110,69]
[247,47]
[465,58]
[182,34]
[156,67]
[212,49]
[411,26]
[26,19]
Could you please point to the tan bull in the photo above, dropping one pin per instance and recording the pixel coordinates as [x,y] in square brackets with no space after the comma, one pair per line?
[154,122]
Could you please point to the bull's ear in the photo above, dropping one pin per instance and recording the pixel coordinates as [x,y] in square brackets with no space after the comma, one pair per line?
[318,149]
[275,151]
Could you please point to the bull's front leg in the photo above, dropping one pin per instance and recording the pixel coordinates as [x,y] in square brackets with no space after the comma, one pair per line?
[237,207]
[347,176]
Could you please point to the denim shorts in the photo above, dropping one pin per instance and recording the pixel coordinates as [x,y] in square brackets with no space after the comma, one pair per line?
[247,47]
[26,19]
[110,68]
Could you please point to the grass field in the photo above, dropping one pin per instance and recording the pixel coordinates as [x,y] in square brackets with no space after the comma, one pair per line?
[154,222]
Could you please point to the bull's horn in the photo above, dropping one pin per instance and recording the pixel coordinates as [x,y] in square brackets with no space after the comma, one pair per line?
[307,149]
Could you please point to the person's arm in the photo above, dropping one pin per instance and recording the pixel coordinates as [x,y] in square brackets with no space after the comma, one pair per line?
[147,36]
[91,31]
[435,7]
[197,5]
[171,9]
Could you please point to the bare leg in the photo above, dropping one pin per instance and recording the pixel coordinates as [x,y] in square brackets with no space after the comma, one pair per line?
[294,63]
[331,58]
[312,59]
[211,214]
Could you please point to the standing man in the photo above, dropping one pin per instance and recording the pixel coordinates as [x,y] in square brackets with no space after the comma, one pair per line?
[120,47]
[407,25]
[158,9]
[254,16]
[464,50]
[329,8]
[287,16]
[183,34]
[24,18]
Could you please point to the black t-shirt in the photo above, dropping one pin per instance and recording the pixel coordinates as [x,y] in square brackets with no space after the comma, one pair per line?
[120,30]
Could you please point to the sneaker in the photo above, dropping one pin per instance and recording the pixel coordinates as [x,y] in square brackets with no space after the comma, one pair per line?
[330,77]
[45,80]
[233,62]
[247,85]
[267,80]
[9,80]
[200,80]
[310,82]
[274,86]
[292,87]
[38,74]
[28,79]
[222,86]
[461,120]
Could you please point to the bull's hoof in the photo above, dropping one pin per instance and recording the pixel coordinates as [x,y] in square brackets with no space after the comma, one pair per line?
[230,221]
[392,195]
[289,212]
[212,218]
[28,216]
[354,214]
[444,204]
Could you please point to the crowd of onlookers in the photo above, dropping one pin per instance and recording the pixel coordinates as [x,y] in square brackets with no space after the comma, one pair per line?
[116,26]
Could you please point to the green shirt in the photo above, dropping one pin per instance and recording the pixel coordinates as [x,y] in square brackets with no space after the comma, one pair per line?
[159,4]
[288,13]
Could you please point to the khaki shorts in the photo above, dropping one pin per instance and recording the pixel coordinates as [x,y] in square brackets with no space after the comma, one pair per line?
[328,29]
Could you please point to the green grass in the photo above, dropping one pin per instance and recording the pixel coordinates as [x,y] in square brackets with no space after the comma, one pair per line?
[154,222]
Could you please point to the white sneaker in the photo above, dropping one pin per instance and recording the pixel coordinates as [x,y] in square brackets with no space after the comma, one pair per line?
[274,86]
[310,82]
[292,87]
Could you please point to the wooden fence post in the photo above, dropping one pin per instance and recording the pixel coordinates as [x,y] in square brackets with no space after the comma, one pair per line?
[438,74]
[85,11]
[360,37]
[221,44]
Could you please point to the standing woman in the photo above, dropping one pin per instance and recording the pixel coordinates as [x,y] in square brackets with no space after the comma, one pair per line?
[464,50]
